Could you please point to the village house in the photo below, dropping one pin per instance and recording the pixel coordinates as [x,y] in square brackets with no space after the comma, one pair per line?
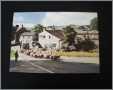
[16,33]
[51,38]
[27,37]
[54,38]
[93,35]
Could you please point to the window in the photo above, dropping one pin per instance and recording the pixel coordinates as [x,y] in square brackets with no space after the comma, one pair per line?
[44,36]
[49,37]
[41,35]
[53,44]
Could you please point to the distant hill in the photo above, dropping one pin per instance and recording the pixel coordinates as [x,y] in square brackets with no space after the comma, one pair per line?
[76,27]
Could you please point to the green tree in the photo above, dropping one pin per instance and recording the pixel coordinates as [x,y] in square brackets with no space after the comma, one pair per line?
[37,29]
[86,45]
[69,36]
[94,24]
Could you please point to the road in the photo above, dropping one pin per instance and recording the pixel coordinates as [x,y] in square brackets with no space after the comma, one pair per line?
[29,64]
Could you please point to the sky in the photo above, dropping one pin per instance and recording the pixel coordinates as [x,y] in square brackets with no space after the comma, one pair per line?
[29,19]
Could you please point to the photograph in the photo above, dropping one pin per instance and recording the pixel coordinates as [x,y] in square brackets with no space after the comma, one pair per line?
[55,42]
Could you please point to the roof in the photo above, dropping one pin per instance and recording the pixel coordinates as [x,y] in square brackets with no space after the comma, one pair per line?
[60,33]
[84,27]
[57,33]
[28,34]
[22,29]
[89,31]
[56,27]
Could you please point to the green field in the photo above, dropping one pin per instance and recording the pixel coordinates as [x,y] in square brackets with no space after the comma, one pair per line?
[77,54]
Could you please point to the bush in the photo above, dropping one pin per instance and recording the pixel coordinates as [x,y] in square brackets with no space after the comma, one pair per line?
[44,49]
[86,45]
[35,43]
[25,46]
[67,47]
[35,36]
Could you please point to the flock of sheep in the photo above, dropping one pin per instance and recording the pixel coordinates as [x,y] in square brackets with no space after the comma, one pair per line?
[48,54]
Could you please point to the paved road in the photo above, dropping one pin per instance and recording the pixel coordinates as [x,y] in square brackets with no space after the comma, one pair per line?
[91,60]
[27,67]
[53,67]
[29,64]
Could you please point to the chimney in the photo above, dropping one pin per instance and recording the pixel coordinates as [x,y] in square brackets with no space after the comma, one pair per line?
[53,27]
[44,28]
[17,26]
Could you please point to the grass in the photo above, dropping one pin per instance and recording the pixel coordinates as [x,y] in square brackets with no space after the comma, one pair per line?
[12,54]
[77,54]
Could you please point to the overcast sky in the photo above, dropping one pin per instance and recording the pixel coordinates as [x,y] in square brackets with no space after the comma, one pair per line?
[29,19]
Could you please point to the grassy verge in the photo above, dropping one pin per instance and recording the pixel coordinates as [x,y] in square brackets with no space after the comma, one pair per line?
[77,54]
[12,54]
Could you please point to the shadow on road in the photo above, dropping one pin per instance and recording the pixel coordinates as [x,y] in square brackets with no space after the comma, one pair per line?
[56,66]
[14,64]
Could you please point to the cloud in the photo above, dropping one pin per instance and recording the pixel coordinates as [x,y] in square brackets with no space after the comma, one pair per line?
[50,18]
[66,18]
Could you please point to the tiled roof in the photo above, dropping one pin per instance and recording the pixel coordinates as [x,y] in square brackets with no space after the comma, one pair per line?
[57,33]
